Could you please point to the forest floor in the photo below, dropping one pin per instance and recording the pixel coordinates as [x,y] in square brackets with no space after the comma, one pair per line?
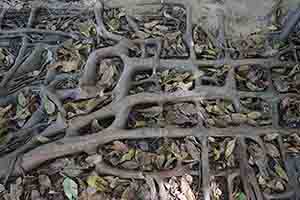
[149,100]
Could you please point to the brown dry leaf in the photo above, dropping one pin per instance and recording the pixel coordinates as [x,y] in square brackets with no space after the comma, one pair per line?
[193,150]
[119,146]
[4,110]
[153,191]
[160,160]
[186,189]
[106,73]
[45,183]
[254,115]
[272,150]
[238,118]
[131,164]
[94,159]
[87,195]
[270,137]
[16,190]
[129,193]
[216,192]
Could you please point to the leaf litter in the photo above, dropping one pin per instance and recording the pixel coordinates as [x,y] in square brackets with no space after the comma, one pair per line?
[75,177]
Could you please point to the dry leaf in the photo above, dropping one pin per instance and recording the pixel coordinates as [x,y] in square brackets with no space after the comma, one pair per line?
[97,182]
[272,150]
[128,156]
[254,115]
[280,171]
[230,148]
[193,150]
[119,146]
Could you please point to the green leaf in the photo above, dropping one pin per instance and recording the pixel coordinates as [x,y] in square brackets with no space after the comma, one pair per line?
[280,171]
[114,24]
[49,106]
[85,28]
[70,188]
[128,156]
[139,124]
[241,196]
[217,154]
[98,183]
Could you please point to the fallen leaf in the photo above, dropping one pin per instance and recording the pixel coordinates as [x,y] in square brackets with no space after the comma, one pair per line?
[139,124]
[85,28]
[216,153]
[45,181]
[186,189]
[238,118]
[4,110]
[230,148]
[128,156]
[97,182]
[240,196]
[254,115]
[131,164]
[22,113]
[49,106]
[42,139]
[22,101]
[272,150]
[270,137]
[68,66]
[280,171]
[70,188]
[193,150]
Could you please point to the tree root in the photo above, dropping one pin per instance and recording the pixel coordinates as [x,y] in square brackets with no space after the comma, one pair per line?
[78,144]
